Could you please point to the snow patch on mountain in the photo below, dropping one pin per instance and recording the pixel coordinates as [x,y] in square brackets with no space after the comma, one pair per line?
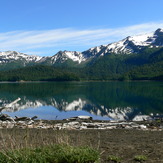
[9,56]
[142,40]
[62,56]
[131,44]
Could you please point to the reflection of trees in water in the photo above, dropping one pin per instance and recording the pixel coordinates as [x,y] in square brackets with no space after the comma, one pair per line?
[146,96]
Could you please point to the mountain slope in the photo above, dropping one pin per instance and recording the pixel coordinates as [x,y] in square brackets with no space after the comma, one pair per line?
[13,59]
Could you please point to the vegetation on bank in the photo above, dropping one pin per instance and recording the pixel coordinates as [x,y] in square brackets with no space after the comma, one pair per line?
[51,153]
[59,153]
[84,146]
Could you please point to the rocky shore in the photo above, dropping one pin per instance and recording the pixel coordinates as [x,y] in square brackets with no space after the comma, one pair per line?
[76,123]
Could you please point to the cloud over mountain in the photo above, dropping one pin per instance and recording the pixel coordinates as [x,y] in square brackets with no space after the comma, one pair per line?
[44,42]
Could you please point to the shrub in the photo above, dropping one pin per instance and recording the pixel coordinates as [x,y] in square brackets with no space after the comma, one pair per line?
[114,158]
[140,158]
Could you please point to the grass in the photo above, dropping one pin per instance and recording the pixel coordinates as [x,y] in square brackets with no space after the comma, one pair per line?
[114,158]
[44,146]
[51,154]
[140,158]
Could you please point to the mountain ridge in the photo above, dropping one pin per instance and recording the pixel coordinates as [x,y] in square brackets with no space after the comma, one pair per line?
[128,45]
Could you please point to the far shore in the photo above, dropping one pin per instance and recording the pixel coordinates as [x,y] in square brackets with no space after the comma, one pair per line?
[24,81]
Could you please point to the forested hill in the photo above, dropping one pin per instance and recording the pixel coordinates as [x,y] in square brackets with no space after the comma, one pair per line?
[148,66]
[38,73]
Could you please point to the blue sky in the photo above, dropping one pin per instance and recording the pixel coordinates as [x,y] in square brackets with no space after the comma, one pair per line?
[44,27]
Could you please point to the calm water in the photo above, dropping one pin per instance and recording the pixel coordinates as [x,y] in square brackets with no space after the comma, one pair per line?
[102,100]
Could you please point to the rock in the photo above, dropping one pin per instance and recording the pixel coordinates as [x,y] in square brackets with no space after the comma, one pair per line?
[58,128]
[21,123]
[111,127]
[84,117]
[30,122]
[142,127]
[83,127]
[73,123]
[128,127]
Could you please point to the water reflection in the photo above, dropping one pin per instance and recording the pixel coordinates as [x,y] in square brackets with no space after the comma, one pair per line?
[103,100]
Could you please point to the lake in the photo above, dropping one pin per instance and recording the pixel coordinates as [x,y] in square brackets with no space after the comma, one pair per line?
[101,100]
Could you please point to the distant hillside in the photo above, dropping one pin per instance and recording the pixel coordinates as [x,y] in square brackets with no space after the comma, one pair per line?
[38,73]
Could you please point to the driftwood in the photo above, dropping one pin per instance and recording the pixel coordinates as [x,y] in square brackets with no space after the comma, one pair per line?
[5,117]
[80,118]
[24,118]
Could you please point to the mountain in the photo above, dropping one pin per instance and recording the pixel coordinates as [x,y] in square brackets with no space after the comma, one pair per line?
[129,45]
[64,59]
[135,57]
[13,59]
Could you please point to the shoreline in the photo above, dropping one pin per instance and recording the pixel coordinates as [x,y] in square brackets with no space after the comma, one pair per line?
[84,81]
[81,124]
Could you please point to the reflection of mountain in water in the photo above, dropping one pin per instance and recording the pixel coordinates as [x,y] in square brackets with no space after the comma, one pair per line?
[76,105]
[119,100]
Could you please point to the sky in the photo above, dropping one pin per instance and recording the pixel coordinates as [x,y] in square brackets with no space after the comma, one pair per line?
[44,27]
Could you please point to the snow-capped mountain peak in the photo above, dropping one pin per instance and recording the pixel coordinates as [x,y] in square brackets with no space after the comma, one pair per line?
[129,45]
[65,55]
[158,31]
[9,56]
[142,40]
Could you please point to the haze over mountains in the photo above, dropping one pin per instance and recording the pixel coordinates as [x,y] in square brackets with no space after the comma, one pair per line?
[115,58]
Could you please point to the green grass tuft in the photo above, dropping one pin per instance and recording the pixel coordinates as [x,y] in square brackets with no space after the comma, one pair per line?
[140,158]
[114,158]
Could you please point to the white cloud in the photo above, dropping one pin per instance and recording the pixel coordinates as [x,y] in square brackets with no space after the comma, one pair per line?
[41,41]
